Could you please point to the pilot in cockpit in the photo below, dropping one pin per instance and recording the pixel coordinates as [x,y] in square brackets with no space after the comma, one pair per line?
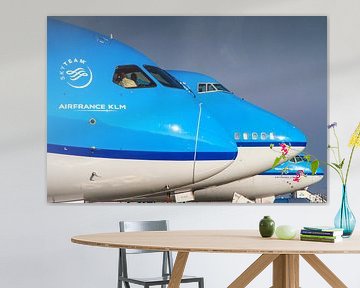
[124,81]
[139,82]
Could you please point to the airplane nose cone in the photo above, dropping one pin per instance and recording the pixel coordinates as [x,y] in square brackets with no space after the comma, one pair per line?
[254,130]
[262,130]
[292,136]
[286,133]
[255,127]
[320,171]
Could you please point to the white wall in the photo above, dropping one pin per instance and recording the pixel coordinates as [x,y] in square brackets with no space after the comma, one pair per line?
[35,248]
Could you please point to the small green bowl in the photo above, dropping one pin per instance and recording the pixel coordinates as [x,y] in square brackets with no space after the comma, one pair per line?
[285,232]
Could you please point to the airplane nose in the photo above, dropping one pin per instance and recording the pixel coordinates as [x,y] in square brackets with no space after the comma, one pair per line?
[254,130]
[262,130]
[291,135]
[320,172]
[286,133]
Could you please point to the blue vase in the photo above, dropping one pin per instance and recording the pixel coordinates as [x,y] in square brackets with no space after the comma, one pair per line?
[345,219]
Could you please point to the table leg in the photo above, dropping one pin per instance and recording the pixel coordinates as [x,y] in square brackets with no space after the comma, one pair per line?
[178,269]
[324,271]
[253,270]
[286,271]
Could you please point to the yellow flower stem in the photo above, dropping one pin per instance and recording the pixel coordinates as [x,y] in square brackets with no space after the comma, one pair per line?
[328,164]
[340,159]
[348,167]
[338,145]
[334,154]
[333,167]
[337,171]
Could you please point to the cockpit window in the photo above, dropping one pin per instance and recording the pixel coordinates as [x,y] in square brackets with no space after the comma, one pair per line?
[202,87]
[220,87]
[131,76]
[211,87]
[299,159]
[163,77]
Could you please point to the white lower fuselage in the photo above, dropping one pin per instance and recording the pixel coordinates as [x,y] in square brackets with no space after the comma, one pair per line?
[250,161]
[259,186]
[72,178]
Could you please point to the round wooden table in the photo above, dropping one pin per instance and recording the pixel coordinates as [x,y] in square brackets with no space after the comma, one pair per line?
[284,254]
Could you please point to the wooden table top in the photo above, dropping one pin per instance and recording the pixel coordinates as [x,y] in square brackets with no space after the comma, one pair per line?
[216,241]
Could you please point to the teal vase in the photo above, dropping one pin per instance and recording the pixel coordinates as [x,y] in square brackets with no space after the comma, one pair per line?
[345,219]
[266,227]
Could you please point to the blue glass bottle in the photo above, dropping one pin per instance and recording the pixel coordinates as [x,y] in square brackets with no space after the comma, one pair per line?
[345,219]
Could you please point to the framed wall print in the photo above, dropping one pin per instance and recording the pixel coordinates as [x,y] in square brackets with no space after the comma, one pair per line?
[186,109]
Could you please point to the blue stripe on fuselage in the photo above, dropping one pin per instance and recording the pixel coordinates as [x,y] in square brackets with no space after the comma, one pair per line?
[267,144]
[287,174]
[139,155]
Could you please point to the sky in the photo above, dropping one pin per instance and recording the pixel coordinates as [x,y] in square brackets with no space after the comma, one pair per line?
[277,63]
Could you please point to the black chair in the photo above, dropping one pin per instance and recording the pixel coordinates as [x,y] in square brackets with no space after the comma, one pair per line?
[167,265]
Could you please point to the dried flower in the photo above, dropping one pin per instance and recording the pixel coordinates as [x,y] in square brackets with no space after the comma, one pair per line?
[355,137]
[340,162]
[332,125]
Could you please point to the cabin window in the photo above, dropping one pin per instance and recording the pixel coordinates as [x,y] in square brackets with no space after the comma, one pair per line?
[254,136]
[202,87]
[272,136]
[131,76]
[263,136]
[163,77]
[246,136]
[237,136]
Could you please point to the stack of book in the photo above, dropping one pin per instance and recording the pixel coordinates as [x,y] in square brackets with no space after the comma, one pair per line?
[321,234]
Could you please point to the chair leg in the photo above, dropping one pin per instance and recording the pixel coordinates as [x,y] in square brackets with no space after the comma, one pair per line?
[126,284]
[201,283]
[164,266]
[122,270]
